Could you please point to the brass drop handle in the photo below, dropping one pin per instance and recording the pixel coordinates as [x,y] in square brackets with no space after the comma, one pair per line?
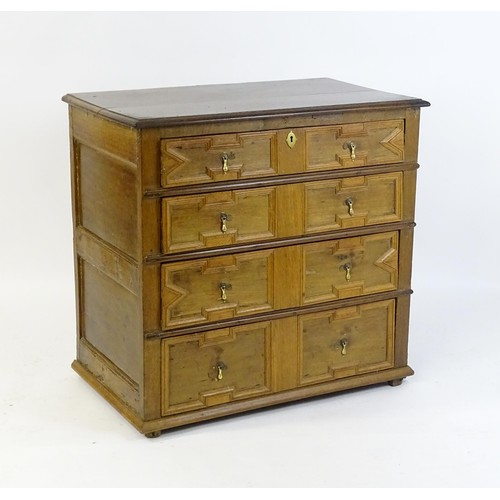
[349,204]
[223,288]
[219,367]
[343,345]
[352,148]
[223,222]
[225,157]
[347,268]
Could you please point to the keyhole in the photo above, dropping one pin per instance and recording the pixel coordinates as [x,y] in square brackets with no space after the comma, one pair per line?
[290,139]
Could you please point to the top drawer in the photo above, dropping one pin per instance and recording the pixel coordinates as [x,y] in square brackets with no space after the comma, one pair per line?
[226,157]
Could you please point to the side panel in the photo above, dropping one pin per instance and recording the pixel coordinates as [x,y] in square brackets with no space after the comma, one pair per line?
[107,254]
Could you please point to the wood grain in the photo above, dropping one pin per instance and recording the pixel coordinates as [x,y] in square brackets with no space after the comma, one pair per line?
[284,348]
[375,143]
[110,320]
[191,290]
[200,159]
[191,379]
[195,222]
[107,199]
[167,106]
[350,267]
[373,199]
[346,342]
[109,138]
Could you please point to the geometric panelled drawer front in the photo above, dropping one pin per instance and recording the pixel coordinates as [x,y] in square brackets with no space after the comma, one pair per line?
[350,267]
[215,367]
[353,202]
[216,158]
[346,342]
[218,219]
[355,144]
[198,291]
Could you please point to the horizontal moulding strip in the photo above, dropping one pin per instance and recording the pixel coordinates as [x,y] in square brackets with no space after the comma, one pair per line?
[278,243]
[276,180]
[282,313]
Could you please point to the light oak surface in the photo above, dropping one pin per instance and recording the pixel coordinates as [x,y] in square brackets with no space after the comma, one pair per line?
[198,160]
[216,367]
[218,219]
[353,201]
[346,342]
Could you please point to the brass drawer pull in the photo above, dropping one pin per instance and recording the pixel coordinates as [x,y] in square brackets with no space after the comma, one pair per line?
[223,288]
[224,163]
[352,148]
[223,221]
[349,203]
[225,157]
[219,367]
[347,268]
[343,345]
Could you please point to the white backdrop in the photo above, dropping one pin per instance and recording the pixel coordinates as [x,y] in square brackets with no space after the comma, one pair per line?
[440,428]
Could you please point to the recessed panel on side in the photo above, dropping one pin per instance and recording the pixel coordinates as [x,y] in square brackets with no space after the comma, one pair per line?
[107,198]
[110,320]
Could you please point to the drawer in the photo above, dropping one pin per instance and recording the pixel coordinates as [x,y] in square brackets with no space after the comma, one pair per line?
[346,342]
[203,290]
[226,157]
[216,288]
[353,202]
[215,158]
[218,219]
[249,215]
[350,267]
[355,145]
[230,364]
[215,367]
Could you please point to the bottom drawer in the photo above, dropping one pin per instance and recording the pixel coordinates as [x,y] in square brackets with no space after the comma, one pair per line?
[215,367]
[230,364]
[345,342]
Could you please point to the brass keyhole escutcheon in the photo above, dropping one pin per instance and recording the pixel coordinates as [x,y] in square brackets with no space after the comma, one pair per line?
[291,139]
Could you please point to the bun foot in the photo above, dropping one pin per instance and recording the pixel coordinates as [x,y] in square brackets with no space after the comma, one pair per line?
[153,434]
[395,382]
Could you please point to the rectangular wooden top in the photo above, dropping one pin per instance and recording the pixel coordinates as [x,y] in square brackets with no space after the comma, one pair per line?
[177,105]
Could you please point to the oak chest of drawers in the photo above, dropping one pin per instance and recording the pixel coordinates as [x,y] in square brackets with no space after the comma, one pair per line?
[239,246]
